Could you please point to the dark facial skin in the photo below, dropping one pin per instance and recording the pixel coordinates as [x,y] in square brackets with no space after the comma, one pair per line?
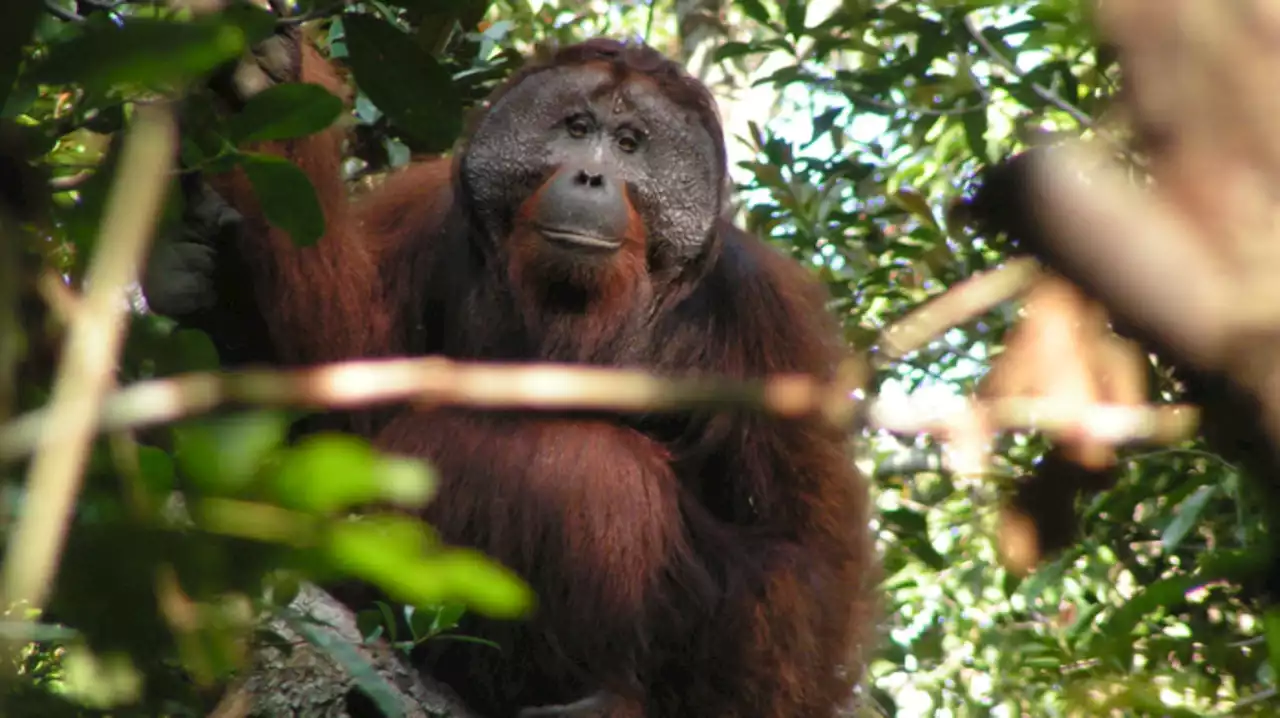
[586,144]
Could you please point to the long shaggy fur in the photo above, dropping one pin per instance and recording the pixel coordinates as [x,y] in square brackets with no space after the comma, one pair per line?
[712,564]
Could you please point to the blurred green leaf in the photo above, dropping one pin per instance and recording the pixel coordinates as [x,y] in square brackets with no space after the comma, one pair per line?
[755,10]
[142,51]
[156,469]
[326,473]
[15,32]
[287,196]
[730,50]
[397,555]
[414,90]
[916,204]
[189,350]
[222,454]
[794,12]
[101,681]
[285,111]
[1271,630]
[975,129]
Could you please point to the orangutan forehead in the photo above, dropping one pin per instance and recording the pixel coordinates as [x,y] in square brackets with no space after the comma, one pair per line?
[600,88]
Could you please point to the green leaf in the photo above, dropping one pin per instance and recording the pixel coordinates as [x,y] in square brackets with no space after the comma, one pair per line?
[459,638]
[285,587]
[1169,593]
[427,621]
[391,552]
[905,522]
[360,669]
[222,454]
[415,91]
[916,204]
[823,123]
[285,111]
[255,22]
[794,15]
[145,51]
[157,470]
[15,32]
[975,129]
[447,616]
[369,623]
[1271,629]
[287,196]
[755,10]
[388,619]
[484,585]
[730,50]
[1186,516]
[326,473]
[912,529]
[404,481]
[187,350]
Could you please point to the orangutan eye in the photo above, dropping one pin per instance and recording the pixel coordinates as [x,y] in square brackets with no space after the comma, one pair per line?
[628,142]
[579,126]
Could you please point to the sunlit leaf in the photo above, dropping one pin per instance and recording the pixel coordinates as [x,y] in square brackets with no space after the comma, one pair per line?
[1186,516]
[396,554]
[916,204]
[325,473]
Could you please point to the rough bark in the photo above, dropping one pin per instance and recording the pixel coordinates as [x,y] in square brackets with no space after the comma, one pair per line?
[294,677]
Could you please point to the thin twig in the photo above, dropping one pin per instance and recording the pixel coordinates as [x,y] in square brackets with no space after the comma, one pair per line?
[93,342]
[958,305]
[913,109]
[1042,92]
[70,182]
[589,706]
[334,8]
[1110,423]
[65,15]
[1258,697]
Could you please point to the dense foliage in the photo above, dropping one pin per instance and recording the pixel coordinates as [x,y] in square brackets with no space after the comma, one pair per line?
[882,113]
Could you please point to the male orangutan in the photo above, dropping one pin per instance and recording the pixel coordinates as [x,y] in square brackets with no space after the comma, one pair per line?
[708,564]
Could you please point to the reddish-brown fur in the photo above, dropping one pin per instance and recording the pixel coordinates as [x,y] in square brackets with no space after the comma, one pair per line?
[714,566]
[624,280]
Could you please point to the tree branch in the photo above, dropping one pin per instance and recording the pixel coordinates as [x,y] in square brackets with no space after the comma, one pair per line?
[1043,93]
[552,387]
[93,341]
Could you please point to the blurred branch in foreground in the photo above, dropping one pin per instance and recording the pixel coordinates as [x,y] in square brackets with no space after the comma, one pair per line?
[1189,263]
[550,387]
[87,371]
